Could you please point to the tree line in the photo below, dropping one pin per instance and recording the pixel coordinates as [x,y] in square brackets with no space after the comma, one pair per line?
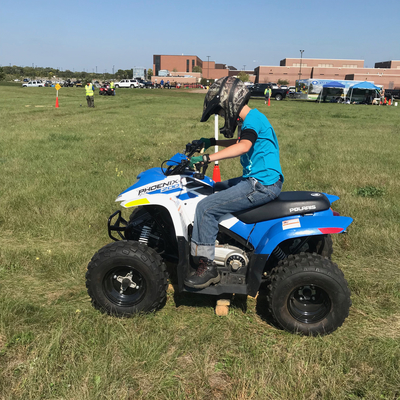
[17,72]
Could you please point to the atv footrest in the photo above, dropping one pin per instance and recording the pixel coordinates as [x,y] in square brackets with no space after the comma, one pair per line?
[116,227]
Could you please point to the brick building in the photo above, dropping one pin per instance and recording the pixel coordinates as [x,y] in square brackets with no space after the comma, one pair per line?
[386,73]
[179,66]
[291,69]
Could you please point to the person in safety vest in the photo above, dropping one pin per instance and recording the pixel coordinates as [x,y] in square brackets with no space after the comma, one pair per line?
[112,86]
[261,181]
[267,94]
[89,94]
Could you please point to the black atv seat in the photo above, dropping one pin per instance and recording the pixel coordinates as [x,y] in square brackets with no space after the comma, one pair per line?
[286,204]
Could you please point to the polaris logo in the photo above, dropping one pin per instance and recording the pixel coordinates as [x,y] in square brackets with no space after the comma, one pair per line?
[304,208]
[165,186]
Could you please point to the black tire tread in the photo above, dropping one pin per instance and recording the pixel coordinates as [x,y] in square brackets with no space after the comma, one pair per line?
[293,264]
[125,247]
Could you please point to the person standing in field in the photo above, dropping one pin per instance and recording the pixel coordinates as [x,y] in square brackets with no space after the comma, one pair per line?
[112,86]
[267,94]
[89,95]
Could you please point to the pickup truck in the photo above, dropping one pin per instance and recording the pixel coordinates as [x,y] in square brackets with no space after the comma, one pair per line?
[392,92]
[257,90]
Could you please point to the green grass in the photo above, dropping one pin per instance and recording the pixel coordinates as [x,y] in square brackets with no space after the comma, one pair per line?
[60,172]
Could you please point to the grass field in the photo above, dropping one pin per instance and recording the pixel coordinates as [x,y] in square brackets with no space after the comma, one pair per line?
[60,172]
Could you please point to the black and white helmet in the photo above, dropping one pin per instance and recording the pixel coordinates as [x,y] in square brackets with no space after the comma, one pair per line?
[226,97]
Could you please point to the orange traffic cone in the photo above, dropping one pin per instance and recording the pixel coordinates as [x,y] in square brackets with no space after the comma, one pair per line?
[390,102]
[216,174]
[57,102]
[269,101]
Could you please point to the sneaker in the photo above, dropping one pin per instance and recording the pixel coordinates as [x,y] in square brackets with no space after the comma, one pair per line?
[205,275]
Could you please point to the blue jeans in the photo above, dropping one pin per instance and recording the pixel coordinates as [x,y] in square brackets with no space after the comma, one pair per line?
[233,195]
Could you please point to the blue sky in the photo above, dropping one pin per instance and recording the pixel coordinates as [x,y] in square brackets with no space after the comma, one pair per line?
[79,35]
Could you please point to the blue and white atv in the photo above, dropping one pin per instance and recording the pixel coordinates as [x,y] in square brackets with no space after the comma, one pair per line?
[285,244]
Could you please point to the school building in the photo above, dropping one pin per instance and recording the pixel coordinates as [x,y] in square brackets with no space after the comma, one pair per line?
[386,73]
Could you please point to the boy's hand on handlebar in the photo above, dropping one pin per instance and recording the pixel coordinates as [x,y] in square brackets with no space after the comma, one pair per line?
[204,159]
[208,142]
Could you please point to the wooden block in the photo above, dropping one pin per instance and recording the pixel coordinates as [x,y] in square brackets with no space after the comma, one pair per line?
[222,311]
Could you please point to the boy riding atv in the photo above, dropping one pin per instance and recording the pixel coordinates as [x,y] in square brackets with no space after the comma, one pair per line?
[262,178]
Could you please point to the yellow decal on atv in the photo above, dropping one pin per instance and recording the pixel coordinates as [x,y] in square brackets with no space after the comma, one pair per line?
[137,203]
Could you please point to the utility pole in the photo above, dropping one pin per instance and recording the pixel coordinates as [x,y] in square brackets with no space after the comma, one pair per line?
[301,59]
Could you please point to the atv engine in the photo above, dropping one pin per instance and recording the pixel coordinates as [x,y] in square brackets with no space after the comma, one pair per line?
[231,257]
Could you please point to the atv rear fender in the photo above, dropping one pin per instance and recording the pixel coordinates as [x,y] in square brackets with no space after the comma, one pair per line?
[300,227]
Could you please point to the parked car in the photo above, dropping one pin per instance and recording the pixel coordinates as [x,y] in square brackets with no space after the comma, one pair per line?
[33,84]
[78,84]
[392,92]
[292,89]
[148,84]
[127,83]
[26,80]
[68,83]
[258,91]
[142,83]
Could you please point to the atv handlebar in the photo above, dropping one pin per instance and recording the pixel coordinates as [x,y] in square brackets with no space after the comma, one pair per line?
[191,148]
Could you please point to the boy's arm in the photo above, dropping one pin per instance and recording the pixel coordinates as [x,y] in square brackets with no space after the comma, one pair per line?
[234,150]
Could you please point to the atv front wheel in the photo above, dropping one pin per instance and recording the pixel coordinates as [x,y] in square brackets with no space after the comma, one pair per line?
[308,294]
[125,278]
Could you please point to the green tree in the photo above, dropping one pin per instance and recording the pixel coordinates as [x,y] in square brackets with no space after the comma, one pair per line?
[196,68]
[149,73]
[243,76]
[2,74]
[284,82]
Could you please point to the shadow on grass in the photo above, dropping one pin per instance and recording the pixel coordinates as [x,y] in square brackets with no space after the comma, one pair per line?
[186,299]
[262,308]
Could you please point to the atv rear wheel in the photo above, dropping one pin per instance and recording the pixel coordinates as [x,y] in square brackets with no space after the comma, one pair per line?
[125,278]
[308,294]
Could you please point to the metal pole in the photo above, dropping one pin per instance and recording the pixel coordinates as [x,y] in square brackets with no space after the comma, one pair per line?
[301,59]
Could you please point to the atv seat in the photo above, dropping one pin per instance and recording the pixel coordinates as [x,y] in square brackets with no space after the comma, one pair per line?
[286,204]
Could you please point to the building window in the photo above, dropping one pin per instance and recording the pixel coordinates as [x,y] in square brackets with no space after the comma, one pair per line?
[192,65]
[325,65]
[187,65]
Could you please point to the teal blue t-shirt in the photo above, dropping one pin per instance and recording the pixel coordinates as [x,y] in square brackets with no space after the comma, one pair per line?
[262,160]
